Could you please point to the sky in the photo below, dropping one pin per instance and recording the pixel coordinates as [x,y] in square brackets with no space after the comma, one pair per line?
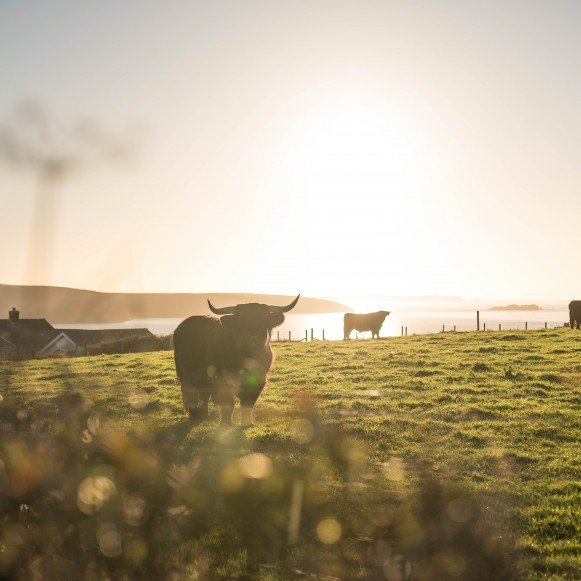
[323,147]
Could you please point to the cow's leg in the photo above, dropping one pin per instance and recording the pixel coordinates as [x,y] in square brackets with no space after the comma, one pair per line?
[203,405]
[190,397]
[247,401]
[226,411]
[225,400]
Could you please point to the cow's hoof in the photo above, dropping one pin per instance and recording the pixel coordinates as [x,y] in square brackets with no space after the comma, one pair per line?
[197,415]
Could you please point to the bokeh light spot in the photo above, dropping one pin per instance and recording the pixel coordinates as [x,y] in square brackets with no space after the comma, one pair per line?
[302,431]
[329,531]
[394,469]
[256,466]
[251,380]
[139,399]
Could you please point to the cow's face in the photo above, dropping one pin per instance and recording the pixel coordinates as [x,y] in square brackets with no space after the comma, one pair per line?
[251,325]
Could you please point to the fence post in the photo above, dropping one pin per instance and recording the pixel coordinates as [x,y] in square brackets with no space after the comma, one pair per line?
[323,334]
[526,325]
[289,336]
[485,326]
[306,335]
[499,326]
[278,336]
[454,328]
[545,324]
[443,328]
[478,320]
[402,331]
[406,331]
[312,334]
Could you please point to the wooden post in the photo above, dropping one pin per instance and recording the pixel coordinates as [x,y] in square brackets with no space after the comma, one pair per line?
[402,331]
[499,327]
[454,328]
[443,328]
[278,336]
[306,335]
[406,331]
[485,326]
[323,334]
[545,324]
[312,334]
[526,325]
[478,320]
[289,336]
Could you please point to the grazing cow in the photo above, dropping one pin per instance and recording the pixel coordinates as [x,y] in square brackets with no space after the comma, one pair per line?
[367,322]
[575,314]
[226,357]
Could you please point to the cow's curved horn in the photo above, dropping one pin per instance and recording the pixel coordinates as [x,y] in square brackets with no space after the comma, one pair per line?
[284,309]
[222,311]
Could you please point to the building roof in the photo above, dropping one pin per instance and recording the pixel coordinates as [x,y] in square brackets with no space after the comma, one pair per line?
[57,336]
[28,334]
[5,341]
[32,325]
[36,335]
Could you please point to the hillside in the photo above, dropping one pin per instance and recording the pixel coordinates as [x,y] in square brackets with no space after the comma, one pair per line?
[66,305]
[516,308]
[358,426]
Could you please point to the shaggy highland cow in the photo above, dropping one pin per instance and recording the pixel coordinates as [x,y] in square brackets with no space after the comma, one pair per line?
[575,314]
[226,357]
[366,322]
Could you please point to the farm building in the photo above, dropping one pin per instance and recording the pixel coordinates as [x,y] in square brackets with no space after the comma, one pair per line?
[37,337]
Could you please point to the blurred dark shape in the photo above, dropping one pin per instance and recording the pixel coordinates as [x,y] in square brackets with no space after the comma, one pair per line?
[226,357]
[36,143]
[364,322]
[81,500]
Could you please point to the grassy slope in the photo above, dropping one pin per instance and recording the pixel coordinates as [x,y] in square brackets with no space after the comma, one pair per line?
[499,412]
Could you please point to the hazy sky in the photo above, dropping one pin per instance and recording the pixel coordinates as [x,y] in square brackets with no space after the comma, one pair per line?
[322,147]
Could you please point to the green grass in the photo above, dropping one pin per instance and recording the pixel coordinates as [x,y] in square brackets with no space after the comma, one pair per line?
[496,414]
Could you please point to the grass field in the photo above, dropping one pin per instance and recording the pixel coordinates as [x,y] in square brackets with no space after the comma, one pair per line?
[345,435]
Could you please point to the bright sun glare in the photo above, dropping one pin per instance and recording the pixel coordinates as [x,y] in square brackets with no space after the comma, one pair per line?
[357,172]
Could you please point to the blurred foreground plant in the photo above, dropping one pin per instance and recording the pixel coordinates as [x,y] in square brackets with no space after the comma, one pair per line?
[81,501]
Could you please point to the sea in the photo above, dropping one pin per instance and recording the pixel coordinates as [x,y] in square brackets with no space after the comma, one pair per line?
[410,317]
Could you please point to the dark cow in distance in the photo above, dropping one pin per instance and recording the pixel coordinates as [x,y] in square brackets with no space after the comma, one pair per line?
[575,314]
[226,357]
[364,322]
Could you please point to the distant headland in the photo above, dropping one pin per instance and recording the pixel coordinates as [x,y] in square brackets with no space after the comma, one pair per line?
[68,305]
[517,308]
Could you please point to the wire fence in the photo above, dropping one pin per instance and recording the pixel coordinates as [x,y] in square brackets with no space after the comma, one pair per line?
[479,325]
